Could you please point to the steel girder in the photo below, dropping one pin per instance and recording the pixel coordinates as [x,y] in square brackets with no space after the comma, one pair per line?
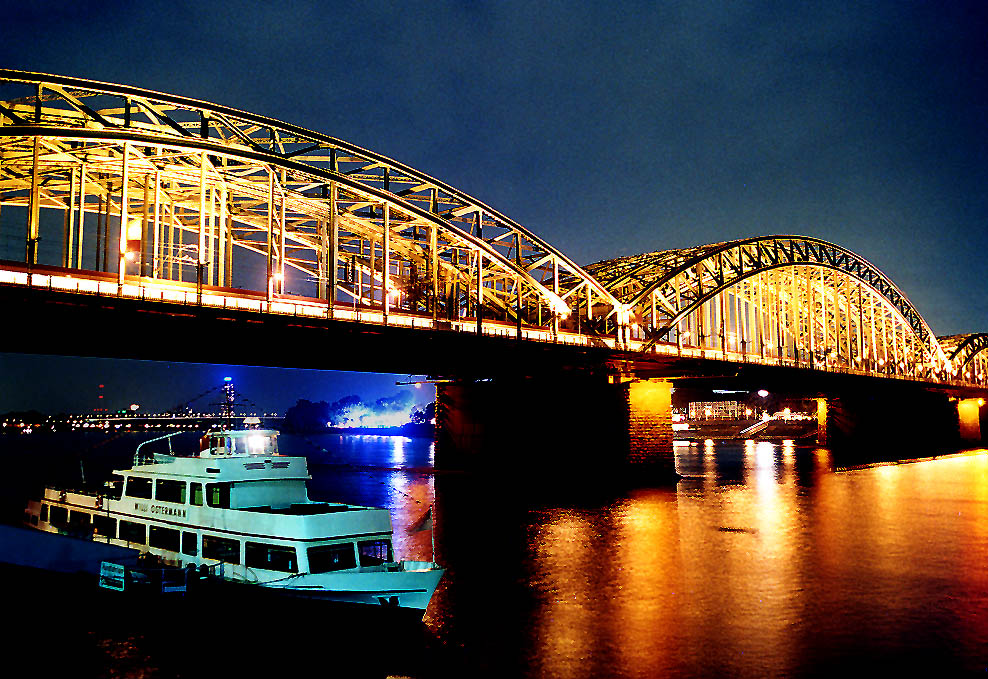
[662,288]
[207,179]
[968,355]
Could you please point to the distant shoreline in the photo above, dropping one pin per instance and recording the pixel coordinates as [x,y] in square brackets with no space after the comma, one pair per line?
[411,430]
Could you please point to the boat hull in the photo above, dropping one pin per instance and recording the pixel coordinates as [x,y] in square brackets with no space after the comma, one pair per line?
[411,589]
[49,551]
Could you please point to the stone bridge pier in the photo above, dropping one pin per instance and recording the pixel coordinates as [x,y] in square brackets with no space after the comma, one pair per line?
[562,425]
[910,418]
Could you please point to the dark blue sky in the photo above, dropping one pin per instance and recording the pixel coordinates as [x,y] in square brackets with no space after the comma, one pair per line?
[611,128]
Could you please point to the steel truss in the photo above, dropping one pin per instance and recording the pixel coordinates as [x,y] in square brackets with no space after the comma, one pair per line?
[186,188]
[968,356]
[792,298]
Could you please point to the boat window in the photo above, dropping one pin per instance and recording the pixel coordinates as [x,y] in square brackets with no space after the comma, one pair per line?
[133,532]
[221,549]
[331,558]
[80,521]
[59,517]
[254,444]
[374,552]
[32,518]
[44,512]
[196,493]
[164,538]
[170,491]
[112,489]
[105,526]
[138,487]
[271,557]
[218,495]
[190,544]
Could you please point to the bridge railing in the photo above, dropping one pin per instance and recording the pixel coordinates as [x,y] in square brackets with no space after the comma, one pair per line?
[163,292]
[224,299]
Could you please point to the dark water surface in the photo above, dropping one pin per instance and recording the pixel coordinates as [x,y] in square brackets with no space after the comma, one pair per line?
[767,560]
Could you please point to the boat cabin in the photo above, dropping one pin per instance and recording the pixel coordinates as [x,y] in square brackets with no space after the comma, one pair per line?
[251,442]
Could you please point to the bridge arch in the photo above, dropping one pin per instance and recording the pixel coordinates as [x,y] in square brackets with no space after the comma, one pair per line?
[791,298]
[187,187]
[968,355]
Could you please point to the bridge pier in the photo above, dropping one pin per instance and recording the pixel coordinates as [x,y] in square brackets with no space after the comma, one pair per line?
[564,425]
[969,415]
[912,420]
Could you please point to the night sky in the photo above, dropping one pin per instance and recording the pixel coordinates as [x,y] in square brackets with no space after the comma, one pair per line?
[606,128]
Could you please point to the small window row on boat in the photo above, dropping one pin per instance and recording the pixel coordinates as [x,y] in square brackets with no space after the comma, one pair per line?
[166,490]
[322,558]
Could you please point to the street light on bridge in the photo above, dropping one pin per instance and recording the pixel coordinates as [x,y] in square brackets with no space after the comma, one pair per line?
[132,245]
[279,277]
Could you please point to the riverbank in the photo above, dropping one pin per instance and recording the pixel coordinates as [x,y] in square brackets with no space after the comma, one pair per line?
[411,430]
[754,430]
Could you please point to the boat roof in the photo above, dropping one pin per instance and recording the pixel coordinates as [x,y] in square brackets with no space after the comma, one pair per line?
[242,433]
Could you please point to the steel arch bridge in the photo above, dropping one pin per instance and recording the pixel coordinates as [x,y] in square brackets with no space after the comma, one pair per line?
[791,298]
[166,196]
[196,185]
[968,356]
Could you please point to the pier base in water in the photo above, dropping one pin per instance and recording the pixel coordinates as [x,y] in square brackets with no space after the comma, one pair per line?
[580,425]
[905,417]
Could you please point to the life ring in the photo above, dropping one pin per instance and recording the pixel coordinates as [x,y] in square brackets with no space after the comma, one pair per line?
[99,502]
[61,496]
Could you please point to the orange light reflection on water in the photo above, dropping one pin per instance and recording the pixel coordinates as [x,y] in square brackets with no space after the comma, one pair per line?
[565,629]
[743,575]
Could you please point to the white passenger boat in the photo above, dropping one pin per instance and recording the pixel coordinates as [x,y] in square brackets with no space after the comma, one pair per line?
[242,509]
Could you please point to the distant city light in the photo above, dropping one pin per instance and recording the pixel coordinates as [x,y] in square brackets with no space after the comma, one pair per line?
[227,379]
[763,393]
[134,406]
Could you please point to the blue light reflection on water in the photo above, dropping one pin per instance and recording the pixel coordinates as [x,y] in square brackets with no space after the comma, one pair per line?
[373,471]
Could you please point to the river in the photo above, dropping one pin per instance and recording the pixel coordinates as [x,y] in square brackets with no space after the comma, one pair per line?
[764,560]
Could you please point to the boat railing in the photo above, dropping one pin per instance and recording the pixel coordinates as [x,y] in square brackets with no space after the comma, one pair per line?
[144,579]
[148,458]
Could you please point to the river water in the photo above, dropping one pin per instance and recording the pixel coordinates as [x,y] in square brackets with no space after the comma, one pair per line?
[765,560]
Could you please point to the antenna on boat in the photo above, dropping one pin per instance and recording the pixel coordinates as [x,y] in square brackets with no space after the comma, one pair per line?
[229,397]
[148,459]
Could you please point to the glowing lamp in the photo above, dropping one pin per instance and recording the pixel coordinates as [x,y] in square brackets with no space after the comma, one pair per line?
[135,233]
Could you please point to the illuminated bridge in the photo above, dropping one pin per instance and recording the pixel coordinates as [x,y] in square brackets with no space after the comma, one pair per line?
[140,224]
